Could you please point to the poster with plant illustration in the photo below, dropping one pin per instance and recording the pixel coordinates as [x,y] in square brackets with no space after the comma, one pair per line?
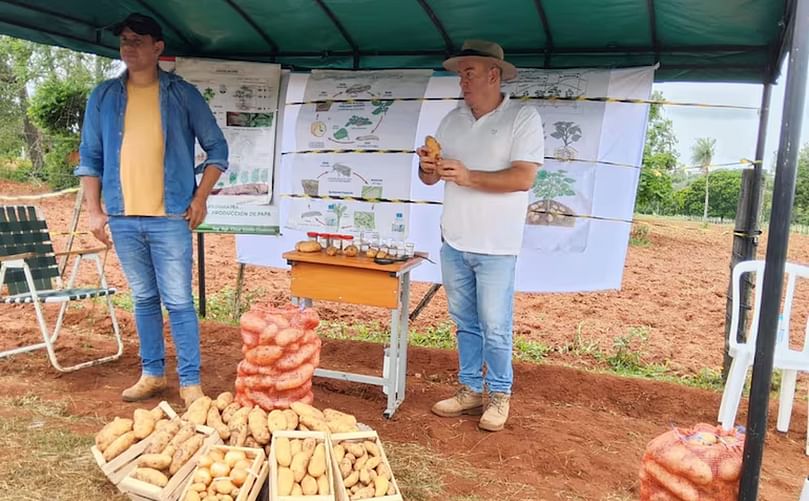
[244,99]
[360,109]
[340,216]
[559,202]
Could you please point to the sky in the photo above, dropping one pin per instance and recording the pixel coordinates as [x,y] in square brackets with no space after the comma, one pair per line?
[735,130]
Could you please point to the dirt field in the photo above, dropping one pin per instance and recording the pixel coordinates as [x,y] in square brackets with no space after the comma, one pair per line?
[573,434]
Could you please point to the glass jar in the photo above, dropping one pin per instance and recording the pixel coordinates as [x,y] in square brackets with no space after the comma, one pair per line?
[410,249]
[312,236]
[323,240]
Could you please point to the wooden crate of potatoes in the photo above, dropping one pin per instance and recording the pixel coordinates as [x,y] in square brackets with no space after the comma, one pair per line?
[227,473]
[162,471]
[300,466]
[123,440]
[361,468]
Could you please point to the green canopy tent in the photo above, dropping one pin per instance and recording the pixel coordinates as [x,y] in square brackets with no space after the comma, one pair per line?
[692,40]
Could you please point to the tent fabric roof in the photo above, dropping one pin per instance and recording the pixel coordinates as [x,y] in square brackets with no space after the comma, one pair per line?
[693,40]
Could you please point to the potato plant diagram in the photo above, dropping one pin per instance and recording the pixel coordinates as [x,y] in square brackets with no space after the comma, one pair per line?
[568,133]
[546,210]
[358,128]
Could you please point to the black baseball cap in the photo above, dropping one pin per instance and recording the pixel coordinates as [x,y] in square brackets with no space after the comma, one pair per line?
[140,24]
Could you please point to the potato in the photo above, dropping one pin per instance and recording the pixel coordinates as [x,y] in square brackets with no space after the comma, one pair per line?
[187,431]
[315,423]
[355,449]
[297,490]
[365,476]
[331,250]
[224,486]
[203,476]
[143,423]
[323,485]
[169,450]
[307,246]
[335,415]
[339,452]
[198,486]
[381,485]
[373,462]
[151,476]
[214,420]
[351,251]
[185,452]
[308,446]
[257,422]
[220,469]
[371,447]
[161,438]
[302,409]
[192,496]
[160,424]
[360,462]
[352,479]
[292,419]
[233,457]
[277,421]
[112,431]
[156,461]
[285,480]
[317,464]
[223,400]
[309,486]
[228,411]
[283,454]
[197,412]
[364,493]
[298,465]
[238,476]
[120,444]
[383,471]
[391,490]
[345,467]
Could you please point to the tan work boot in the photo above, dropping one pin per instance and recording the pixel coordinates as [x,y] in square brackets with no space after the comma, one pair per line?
[191,393]
[146,387]
[496,412]
[465,401]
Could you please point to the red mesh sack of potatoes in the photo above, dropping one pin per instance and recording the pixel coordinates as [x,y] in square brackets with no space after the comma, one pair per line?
[699,464]
[281,351]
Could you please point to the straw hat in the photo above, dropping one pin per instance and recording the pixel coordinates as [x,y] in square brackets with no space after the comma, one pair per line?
[491,51]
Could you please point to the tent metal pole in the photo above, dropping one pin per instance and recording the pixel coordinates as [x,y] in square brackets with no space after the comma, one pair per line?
[746,233]
[777,245]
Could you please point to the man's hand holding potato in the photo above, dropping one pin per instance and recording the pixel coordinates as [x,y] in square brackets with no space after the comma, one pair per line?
[429,155]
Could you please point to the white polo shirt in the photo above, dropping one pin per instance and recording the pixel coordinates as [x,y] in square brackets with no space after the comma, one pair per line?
[473,220]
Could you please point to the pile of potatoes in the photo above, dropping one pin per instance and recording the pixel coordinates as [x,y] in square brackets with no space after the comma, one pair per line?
[220,475]
[365,473]
[302,467]
[174,443]
[253,427]
[122,433]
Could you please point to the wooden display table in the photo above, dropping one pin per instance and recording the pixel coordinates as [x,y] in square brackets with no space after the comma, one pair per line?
[358,280]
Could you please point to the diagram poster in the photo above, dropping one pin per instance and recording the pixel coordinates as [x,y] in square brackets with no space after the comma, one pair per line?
[244,99]
[346,110]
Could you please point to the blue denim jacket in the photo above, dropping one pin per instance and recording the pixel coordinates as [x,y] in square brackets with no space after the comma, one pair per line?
[185,117]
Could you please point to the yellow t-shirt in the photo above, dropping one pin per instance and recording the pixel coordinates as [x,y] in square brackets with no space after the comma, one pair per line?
[142,151]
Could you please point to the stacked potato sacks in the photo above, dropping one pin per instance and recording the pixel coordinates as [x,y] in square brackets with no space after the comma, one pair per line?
[701,463]
[281,351]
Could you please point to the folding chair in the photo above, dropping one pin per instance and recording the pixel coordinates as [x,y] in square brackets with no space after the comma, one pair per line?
[28,268]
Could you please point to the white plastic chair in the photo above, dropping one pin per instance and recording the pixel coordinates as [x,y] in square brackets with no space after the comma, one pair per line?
[789,361]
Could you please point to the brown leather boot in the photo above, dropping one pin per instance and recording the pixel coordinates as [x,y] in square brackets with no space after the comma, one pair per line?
[190,393]
[465,401]
[494,419]
[146,387]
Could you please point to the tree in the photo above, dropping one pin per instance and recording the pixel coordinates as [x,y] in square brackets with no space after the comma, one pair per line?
[800,210]
[725,189]
[655,192]
[702,154]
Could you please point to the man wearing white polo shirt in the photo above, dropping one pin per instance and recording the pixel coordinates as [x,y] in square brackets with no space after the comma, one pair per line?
[491,149]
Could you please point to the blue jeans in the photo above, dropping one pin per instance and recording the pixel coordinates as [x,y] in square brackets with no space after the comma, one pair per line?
[156,253]
[480,294]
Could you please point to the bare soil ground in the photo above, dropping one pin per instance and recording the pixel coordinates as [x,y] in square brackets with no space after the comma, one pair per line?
[573,434]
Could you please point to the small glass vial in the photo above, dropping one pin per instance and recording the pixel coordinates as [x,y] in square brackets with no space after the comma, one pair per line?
[410,249]
[312,235]
[323,240]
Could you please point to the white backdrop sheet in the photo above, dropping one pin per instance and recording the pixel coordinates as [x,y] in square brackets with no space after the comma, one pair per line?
[592,181]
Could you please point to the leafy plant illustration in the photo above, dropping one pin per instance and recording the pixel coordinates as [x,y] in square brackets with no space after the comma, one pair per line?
[358,121]
[382,107]
[208,94]
[568,132]
[339,210]
[549,185]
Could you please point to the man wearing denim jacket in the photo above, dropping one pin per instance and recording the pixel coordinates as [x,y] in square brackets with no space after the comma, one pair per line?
[137,152]
[492,147]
